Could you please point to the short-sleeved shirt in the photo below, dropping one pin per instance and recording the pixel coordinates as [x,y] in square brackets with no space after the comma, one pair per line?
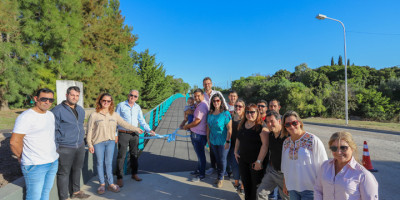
[217,126]
[201,113]
[250,143]
[39,146]
[275,150]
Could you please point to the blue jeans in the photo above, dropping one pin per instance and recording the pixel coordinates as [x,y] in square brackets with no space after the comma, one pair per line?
[220,156]
[104,153]
[39,179]
[303,195]
[234,165]
[199,141]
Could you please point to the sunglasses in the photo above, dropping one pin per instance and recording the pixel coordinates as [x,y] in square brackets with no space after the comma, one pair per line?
[216,100]
[250,112]
[131,95]
[44,99]
[107,101]
[293,123]
[342,148]
[261,106]
[238,106]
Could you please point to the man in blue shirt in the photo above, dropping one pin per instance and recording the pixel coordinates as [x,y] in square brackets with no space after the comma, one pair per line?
[132,113]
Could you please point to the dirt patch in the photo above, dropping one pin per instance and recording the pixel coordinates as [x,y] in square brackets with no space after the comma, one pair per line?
[10,169]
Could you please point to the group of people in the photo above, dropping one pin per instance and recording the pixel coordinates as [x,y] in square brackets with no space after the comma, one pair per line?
[267,151]
[51,143]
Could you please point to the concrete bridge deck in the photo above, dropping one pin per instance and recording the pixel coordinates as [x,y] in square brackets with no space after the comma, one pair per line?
[165,169]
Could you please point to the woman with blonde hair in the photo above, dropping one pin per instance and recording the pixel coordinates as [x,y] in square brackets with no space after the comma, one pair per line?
[102,136]
[302,156]
[343,177]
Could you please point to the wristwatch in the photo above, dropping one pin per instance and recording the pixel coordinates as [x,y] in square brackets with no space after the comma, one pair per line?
[228,141]
[258,161]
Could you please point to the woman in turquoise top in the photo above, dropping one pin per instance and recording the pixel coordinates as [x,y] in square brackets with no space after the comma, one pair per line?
[219,131]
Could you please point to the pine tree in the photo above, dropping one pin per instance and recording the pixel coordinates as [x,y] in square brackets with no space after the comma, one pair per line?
[17,65]
[340,61]
[332,61]
[348,62]
[157,86]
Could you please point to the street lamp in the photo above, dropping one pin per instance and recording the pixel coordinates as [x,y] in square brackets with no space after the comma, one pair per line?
[321,16]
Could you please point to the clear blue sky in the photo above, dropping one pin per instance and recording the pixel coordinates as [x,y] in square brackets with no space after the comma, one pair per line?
[226,40]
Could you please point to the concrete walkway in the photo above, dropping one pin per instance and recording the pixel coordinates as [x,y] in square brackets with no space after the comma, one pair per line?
[165,169]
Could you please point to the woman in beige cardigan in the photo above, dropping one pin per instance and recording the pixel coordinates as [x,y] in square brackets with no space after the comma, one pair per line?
[102,136]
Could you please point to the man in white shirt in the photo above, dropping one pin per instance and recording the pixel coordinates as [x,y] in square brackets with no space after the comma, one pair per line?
[33,142]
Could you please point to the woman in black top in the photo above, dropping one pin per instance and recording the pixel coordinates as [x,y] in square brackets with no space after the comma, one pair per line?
[250,150]
[237,116]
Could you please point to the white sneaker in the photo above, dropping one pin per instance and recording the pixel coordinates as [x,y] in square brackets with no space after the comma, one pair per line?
[210,171]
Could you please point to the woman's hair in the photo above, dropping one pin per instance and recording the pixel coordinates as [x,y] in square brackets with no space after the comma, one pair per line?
[244,119]
[288,114]
[345,136]
[99,106]
[222,107]
[244,106]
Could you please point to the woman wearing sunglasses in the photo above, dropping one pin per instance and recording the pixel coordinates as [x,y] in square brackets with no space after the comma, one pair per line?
[101,138]
[219,130]
[343,177]
[250,150]
[302,156]
[237,116]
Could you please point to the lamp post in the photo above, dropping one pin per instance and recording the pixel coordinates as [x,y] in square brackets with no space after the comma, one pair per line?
[321,16]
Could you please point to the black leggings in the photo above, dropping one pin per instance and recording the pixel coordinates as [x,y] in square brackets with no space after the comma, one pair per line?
[250,179]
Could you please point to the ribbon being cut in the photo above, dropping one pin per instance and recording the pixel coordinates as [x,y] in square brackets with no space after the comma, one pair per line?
[170,137]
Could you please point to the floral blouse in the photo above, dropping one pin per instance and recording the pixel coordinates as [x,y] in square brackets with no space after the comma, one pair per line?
[301,160]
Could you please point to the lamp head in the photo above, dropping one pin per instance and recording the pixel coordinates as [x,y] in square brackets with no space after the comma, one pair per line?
[321,16]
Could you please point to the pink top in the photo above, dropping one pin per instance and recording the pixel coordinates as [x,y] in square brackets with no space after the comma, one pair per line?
[352,182]
[201,113]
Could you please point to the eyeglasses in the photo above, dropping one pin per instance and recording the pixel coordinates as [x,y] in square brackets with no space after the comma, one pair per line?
[131,95]
[106,101]
[342,148]
[44,99]
[261,106]
[293,123]
[250,112]
[238,106]
[216,100]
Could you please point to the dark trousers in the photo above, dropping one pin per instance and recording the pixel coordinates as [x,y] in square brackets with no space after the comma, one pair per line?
[125,139]
[199,142]
[213,160]
[250,179]
[70,165]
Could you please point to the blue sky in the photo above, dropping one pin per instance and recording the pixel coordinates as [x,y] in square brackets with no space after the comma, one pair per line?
[226,40]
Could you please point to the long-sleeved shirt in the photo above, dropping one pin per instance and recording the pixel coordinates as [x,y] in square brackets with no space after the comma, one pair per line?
[352,182]
[301,160]
[133,115]
[101,127]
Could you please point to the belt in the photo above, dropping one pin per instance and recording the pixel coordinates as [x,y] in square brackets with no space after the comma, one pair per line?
[123,131]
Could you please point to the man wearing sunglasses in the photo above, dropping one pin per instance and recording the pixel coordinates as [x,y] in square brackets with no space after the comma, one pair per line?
[69,117]
[33,143]
[262,106]
[131,112]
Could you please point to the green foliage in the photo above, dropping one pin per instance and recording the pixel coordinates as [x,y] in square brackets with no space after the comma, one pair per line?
[340,61]
[332,61]
[372,105]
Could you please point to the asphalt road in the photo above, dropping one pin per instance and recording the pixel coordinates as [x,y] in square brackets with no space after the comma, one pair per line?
[384,149]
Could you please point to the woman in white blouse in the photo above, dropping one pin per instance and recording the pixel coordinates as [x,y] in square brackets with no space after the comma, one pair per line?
[343,177]
[302,156]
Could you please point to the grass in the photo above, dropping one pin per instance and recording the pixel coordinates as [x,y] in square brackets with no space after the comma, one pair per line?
[7,118]
[357,123]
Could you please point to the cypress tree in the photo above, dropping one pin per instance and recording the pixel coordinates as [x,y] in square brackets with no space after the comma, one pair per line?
[348,62]
[332,62]
[340,61]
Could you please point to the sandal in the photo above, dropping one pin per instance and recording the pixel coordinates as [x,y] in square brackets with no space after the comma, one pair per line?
[101,189]
[113,188]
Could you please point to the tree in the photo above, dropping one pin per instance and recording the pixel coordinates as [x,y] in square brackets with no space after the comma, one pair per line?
[340,61]
[332,61]
[156,86]
[348,62]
